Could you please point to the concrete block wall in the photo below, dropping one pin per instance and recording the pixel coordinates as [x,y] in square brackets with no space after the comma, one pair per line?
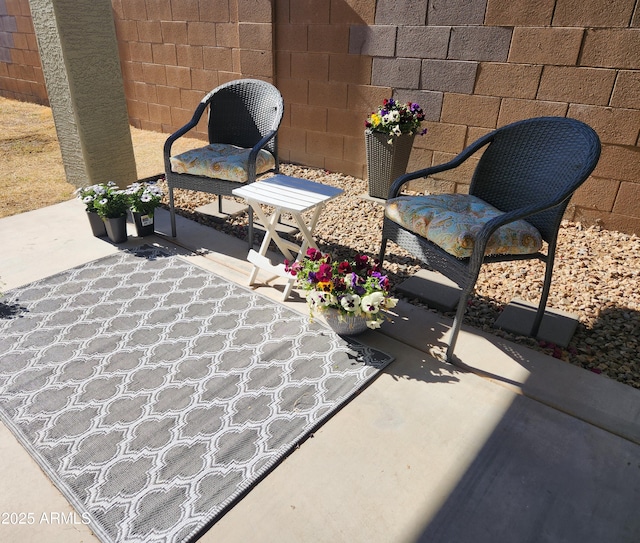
[327,90]
[488,63]
[473,65]
[173,53]
[21,76]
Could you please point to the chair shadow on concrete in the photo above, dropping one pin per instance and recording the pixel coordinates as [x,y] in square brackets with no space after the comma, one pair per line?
[619,325]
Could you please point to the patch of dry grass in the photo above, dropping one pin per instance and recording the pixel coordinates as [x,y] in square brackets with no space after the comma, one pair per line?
[30,156]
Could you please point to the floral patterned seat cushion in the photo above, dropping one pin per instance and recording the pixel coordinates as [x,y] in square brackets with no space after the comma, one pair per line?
[452,221]
[221,161]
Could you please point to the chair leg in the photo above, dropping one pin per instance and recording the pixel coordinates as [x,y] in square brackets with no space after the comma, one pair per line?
[383,249]
[545,293]
[172,212]
[219,204]
[467,290]
[457,321]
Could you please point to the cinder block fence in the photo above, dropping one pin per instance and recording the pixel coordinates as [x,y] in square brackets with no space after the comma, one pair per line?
[473,65]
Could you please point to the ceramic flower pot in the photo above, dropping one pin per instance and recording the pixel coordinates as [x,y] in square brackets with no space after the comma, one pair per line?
[97,224]
[144,224]
[386,161]
[116,228]
[349,325]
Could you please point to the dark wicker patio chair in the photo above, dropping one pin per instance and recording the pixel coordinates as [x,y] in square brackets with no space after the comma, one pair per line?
[243,121]
[528,170]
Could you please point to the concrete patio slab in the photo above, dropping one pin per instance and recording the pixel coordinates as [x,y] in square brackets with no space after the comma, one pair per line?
[434,455]
[507,445]
[591,397]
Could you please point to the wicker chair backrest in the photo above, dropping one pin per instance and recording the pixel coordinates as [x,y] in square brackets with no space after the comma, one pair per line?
[536,161]
[242,112]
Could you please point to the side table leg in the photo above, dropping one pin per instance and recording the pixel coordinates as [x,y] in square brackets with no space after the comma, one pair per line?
[307,239]
[307,229]
[269,225]
[254,274]
[287,288]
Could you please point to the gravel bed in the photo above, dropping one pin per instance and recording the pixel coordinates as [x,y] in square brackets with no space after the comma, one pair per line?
[596,275]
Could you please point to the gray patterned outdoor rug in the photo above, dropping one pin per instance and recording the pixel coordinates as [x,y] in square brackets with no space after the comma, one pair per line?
[154,393]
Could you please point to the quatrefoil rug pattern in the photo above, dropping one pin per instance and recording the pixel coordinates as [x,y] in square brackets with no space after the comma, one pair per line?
[155,393]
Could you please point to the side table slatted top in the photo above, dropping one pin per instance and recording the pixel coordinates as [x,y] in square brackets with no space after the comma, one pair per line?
[288,193]
[293,196]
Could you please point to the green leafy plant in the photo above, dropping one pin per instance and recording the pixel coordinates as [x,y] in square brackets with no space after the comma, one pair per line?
[395,119]
[356,287]
[109,201]
[144,197]
[90,194]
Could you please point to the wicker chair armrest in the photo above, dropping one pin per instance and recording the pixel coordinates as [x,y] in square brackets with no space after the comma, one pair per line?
[253,155]
[182,131]
[482,239]
[396,186]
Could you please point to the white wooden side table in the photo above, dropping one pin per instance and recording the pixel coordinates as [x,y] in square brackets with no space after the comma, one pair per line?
[285,195]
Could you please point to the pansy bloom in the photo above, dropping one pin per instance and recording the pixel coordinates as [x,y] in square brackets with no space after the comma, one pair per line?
[355,287]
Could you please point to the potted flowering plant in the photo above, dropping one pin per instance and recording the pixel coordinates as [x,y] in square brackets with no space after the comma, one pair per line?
[389,134]
[88,196]
[143,198]
[111,203]
[352,295]
[112,206]
[395,119]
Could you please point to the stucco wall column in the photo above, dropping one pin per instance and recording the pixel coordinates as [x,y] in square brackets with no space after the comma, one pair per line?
[81,65]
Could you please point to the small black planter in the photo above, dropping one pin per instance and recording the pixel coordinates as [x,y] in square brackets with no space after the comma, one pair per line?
[116,228]
[145,225]
[97,224]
